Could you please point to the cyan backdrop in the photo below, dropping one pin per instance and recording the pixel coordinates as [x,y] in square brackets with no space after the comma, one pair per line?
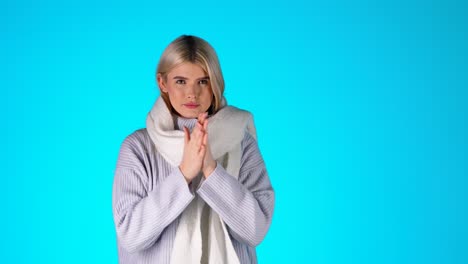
[360,107]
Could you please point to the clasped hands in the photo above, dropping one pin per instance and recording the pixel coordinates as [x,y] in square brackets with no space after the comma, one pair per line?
[197,153]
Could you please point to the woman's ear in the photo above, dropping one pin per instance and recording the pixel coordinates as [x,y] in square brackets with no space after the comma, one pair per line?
[161,84]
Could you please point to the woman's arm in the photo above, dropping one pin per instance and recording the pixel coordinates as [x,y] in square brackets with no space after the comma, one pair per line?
[141,216]
[246,205]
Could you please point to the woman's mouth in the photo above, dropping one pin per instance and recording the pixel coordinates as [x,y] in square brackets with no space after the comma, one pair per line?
[191,105]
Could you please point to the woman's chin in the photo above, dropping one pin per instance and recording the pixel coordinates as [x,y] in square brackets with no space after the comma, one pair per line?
[190,113]
[186,114]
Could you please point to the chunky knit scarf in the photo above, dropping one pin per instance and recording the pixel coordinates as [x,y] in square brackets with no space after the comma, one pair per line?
[201,235]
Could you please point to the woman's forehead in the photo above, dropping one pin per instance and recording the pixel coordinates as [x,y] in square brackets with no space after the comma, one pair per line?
[188,70]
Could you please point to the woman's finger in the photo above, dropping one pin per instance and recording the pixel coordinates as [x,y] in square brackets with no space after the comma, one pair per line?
[186,135]
[202,118]
[205,125]
[199,137]
[202,151]
[198,131]
[205,139]
[205,136]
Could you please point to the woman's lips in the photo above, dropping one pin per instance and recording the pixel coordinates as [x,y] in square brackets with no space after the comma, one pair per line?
[191,106]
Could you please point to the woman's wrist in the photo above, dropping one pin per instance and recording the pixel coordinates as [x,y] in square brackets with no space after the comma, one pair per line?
[208,170]
[189,180]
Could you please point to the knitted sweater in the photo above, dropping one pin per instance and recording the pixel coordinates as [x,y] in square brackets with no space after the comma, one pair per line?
[149,196]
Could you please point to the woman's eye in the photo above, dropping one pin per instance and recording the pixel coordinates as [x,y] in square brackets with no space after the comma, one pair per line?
[203,82]
[180,81]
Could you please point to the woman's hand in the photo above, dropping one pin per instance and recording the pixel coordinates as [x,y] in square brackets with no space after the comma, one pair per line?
[194,152]
[209,164]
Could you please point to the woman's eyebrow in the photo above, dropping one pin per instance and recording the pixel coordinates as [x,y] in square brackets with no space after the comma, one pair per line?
[185,78]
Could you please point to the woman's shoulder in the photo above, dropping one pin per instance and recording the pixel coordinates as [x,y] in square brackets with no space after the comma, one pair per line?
[248,139]
[135,150]
[137,135]
[139,140]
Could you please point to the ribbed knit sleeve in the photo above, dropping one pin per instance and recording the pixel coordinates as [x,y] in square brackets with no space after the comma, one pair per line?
[140,215]
[245,205]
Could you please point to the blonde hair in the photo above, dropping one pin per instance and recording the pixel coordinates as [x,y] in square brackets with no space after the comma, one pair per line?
[195,50]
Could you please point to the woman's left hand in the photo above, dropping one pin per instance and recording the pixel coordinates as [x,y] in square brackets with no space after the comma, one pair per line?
[209,164]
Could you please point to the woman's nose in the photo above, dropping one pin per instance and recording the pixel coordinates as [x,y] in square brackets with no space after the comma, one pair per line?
[192,91]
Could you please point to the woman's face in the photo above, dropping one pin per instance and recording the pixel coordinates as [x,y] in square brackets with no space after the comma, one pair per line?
[189,89]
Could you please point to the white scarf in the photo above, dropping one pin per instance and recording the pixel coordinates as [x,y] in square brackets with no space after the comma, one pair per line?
[226,129]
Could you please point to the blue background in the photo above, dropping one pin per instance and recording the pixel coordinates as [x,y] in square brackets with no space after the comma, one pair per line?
[360,107]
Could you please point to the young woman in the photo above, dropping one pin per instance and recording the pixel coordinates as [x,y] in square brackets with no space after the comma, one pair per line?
[192,186]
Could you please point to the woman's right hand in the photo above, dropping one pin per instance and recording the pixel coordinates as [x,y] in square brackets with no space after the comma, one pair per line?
[194,152]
